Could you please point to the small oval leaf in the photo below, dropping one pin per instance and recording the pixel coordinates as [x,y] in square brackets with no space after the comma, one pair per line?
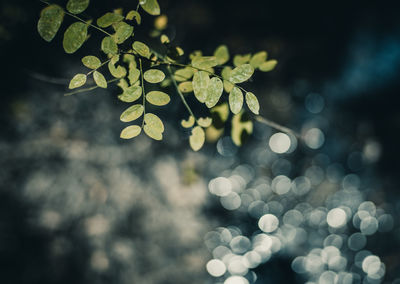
[91,62]
[252,102]
[150,6]
[154,76]
[78,81]
[241,73]
[99,79]
[50,21]
[186,87]
[214,92]
[108,19]
[183,74]
[130,132]
[258,59]
[222,54]
[204,62]
[141,48]
[122,32]
[268,65]
[200,85]
[77,6]
[241,59]
[188,123]
[153,126]
[132,113]
[158,98]
[109,46]
[74,37]
[196,140]
[134,15]
[236,100]
[131,94]
[204,122]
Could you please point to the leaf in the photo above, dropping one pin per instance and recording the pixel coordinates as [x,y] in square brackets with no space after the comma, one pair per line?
[200,85]
[99,79]
[158,98]
[150,6]
[196,140]
[141,48]
[186,87]
[222,54]
[91,62]
[268,65]
[161,22]
[108,45]
[50,21]
[153,126]
[204,62]
[164,39]
[134,75]
[108,19]
[241,59]
[154,76]
[236,100]
[74,37]
[78,81]
[258,59]
[241,128]
[241,73]
[214,92]
[131,94]
[226,72]
[204,122]
[77,6]
[188,123]
[213,134]
[130,132]
[117,72]
[222,110]
[134,15]
[252,102]
[184,74]
[122,32]
[132,113]
[228,86]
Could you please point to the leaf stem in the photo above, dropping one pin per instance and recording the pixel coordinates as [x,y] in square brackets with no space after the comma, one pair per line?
[89,89]
[144,95]
[102,64]
[276,126]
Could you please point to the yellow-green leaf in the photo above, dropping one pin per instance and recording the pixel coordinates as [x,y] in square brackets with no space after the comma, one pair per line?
[77,6]
[130,132]
[164,39]
[108,45]
[122,32]
[50,21]
[154,76]
[228,86]
[252,102]
[240,128]
[99,79]
[236,100]
[77,81]
[108,19]
[241,59]
[153,126]
[117,72]
[134,75]
[91,62]
[258,59]
[74,37]
[204,122]
[184,74]
[200,85]
[241,73]
[196,140]
[268,65]
[214,92]
[204,62]
[158,98]
[188,123]
[132,113]
[131,94]
[226,72]
[150,6]
[134,15]
[141,48]
[222,54]
[222,110]
[186,87]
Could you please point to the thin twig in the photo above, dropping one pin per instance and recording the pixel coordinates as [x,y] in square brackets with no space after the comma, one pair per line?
[143,92]
[276,126]
[89,89]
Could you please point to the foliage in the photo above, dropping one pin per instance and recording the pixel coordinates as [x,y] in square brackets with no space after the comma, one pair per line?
[132,65]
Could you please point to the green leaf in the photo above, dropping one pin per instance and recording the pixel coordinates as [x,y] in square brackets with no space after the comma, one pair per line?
[200,85]
[204,122]
[196,140]
[77,6]
[252,102]
[123,32]
[74,37]
[258,59]
[222,110]
[184,74]
[268,65]
[141,48]
[134,75]
[226,72]
[134,15]
[99,79]
[241,73]
[204,62]
[153,126]
[91,62]
[131,94]
[50,21]
[158,98]
[214,92]
[154,76]
[132,113]
[186,87]
[222,54]
[108,45]
[236,100]
[130,132]
[117,72]
[150,6]
[108,19]
[77,81]
[188,123]
[241,127]
[241,59]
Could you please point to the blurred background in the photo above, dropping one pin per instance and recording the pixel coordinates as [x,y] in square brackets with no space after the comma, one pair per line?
[78,204]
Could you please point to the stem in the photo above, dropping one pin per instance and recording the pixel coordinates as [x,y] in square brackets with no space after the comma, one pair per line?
[79,19]
[180,93]
[276,126]
[102,64]
[90,88]
[144,95]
